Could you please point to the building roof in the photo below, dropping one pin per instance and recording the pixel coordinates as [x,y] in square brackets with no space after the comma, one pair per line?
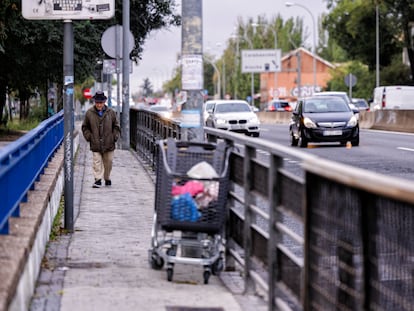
[305,51]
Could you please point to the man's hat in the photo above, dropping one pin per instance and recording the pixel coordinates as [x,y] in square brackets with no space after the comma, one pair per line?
[99,96]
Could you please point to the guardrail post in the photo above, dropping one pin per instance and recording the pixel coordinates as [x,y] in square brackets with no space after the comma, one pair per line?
[274,201]
[247,236]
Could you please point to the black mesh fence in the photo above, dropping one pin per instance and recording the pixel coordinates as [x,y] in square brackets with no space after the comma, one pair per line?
[359,250]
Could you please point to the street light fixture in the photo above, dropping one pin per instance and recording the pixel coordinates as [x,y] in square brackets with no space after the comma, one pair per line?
[289,4]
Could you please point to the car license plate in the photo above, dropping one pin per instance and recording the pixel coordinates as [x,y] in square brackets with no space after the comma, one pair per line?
[332,133]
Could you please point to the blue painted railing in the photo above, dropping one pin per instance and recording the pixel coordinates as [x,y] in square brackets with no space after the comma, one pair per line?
[21,164]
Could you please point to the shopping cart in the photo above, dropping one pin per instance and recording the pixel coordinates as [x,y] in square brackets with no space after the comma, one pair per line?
[190,206]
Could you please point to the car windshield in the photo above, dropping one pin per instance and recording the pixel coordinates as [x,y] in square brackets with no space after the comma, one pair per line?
[208,106]
[360,103]
[325,105]
[280,104]
[232,107]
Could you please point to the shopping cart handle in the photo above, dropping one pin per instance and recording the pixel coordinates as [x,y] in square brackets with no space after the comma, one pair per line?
[172,144]
[187,144]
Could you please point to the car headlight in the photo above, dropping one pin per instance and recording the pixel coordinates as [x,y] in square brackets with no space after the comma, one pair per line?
[353,121]
[309,123]
[221,121]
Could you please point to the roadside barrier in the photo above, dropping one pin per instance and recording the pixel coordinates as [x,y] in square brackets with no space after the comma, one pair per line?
[387,120]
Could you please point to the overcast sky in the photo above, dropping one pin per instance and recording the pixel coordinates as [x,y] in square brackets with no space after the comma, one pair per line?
[219,20]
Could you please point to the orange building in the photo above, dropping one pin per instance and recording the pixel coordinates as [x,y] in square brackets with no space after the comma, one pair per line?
[287,82]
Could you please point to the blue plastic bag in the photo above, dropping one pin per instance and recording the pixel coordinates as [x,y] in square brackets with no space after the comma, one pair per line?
[184,208]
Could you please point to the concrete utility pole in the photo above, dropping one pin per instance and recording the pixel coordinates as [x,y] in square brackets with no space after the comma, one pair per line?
[192,68]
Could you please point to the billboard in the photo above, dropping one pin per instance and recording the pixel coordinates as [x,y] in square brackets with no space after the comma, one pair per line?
[68,9]
[261,61]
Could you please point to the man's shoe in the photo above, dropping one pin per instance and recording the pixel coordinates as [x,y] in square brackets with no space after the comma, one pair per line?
[97,184]
[108,182]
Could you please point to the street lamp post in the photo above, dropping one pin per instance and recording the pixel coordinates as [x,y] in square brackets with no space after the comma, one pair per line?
[377,54]
[236,64]
[252,74]
[274,62]
[275,76]
[217,72]
[289,4]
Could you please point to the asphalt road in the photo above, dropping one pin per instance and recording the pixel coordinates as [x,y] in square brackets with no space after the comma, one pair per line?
[389,153]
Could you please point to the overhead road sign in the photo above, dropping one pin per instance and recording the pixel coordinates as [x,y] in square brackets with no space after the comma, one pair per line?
[68,9]
[261,61]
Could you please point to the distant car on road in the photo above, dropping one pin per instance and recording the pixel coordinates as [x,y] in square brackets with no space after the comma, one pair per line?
[234,115]
[361,104]
[393,97]
[278,105]
[323,119]
[161,110]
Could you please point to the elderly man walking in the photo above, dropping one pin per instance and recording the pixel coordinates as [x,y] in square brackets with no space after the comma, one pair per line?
[101,129]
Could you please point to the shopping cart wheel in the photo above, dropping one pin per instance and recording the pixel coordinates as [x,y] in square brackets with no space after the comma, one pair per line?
[170,273]
[217,266]
[206,275]
[157,262]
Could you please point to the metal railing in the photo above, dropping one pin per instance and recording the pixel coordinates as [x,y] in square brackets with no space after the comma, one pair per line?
[21,164]
[326,237]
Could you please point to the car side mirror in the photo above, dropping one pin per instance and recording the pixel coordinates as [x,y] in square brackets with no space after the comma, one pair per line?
[354,108]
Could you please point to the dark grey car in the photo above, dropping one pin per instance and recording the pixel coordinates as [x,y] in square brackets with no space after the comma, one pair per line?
[323,119]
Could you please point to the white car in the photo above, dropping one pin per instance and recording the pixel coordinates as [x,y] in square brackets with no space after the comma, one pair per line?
[234,115]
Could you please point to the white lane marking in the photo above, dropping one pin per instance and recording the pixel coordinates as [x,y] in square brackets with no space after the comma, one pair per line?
[407,149]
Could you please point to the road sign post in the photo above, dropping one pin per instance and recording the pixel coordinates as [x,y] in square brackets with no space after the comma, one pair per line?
[61,10]
[350,81]
[111,42]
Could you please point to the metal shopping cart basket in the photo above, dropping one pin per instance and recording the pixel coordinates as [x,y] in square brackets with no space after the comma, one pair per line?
[190,206]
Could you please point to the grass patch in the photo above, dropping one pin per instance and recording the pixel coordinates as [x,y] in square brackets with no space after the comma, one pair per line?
[16,129]
[57,226]
[22,125]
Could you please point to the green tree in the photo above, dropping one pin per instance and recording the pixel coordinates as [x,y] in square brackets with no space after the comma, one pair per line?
[401,13]
[365,81]
[31,52]
[173,85]
[147,89]
[352,26]
[258,35]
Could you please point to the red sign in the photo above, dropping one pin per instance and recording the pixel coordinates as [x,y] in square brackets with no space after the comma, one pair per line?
[87,93]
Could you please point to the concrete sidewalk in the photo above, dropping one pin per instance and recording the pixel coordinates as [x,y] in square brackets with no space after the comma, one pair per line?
[104,265]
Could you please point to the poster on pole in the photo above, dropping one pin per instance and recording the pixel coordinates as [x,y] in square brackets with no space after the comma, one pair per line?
[68,9]
[192,72]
